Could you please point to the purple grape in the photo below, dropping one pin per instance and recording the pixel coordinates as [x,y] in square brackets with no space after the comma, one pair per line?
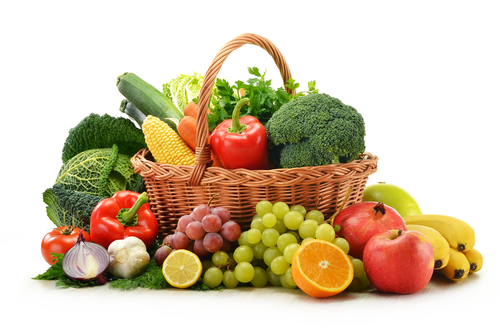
[200,211]
[199,249]
[212,242]
[226,245]
[161,254]
[190,246]
[230,231]
[167,239]
[179,241]
[183,222]
[223,213]
[195,231]
[211,223]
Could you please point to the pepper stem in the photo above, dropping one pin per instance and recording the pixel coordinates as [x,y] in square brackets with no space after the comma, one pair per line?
[236,125]
[128,217]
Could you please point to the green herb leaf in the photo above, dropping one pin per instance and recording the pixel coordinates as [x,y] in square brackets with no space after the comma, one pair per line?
[254,71]
[55,271]
[264,100]
[151,278]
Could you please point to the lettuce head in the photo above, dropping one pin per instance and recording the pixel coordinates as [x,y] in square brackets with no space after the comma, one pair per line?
[186,88]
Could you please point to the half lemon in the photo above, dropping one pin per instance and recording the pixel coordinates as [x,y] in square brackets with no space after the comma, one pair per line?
[182,268]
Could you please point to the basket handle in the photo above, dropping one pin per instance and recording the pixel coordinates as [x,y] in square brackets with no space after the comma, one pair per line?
[203,154]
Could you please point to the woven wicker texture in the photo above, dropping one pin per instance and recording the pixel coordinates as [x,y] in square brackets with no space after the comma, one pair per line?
[176,190]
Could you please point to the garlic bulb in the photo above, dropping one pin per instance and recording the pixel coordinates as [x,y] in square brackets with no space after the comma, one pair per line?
[127,257]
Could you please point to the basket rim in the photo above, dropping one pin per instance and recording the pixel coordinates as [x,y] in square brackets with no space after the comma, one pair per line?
[366,164]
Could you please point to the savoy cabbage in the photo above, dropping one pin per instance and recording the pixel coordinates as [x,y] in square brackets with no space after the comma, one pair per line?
[100,172]
[96,164]
[96,131]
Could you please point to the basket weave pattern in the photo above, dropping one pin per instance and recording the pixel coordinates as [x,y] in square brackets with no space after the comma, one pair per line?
[176,190]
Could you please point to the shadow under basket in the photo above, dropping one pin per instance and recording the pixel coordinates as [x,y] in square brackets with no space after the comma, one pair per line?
[175,191]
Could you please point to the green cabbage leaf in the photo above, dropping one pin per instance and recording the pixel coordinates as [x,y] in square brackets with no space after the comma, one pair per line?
[186,88]
[183,89]
[100,172]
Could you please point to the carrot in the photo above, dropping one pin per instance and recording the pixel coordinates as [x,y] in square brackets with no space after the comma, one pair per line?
[187,130]
[191,109]
[187,127]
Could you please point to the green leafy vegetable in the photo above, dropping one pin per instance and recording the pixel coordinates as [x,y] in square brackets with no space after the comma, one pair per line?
[68,207]
[264,100]
[96,164]
[184,89]
[95,131]
[87,171]
[151,278]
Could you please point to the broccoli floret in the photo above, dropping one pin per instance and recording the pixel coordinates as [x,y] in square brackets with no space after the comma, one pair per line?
[96,131]
[315,130]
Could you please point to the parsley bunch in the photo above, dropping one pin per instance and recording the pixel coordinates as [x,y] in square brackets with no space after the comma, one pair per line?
[264,100]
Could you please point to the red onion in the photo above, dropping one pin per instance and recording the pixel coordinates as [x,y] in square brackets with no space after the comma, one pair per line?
[86,261]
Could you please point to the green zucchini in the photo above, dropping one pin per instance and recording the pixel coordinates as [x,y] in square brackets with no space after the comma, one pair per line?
[148,99]
[135,114]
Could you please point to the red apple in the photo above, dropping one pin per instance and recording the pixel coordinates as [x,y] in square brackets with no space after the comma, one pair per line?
[398,261]
[361,221]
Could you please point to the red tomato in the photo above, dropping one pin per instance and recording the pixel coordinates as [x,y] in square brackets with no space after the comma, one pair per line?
[60,240]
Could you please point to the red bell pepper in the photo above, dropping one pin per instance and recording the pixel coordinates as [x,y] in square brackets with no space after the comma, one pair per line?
[125,214]
[240,142]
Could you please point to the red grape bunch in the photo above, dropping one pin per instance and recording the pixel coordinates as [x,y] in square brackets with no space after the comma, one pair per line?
[205,231]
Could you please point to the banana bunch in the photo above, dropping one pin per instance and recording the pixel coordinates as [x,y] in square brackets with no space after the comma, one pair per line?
[453,242]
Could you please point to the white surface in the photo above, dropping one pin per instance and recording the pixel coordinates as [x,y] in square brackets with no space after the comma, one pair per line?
[424,76]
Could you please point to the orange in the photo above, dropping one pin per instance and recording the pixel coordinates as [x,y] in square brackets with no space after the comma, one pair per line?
[321,269]
[182,268]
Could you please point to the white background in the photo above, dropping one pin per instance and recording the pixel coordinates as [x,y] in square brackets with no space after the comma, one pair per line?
[424,74]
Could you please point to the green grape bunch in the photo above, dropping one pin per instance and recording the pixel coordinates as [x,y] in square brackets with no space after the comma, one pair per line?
[264,253]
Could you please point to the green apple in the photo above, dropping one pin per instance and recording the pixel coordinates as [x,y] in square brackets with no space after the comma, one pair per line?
[393,196]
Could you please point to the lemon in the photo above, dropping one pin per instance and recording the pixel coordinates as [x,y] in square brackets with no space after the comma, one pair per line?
[182,268]
[393,196]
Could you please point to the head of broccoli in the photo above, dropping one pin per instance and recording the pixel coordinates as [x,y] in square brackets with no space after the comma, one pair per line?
[314,130]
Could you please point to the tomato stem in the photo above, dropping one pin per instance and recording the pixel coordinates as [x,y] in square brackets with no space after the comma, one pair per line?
[68,230]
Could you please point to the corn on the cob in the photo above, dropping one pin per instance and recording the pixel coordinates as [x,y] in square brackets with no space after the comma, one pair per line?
[165,144]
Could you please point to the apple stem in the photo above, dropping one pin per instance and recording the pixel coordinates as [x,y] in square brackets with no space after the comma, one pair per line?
[400,231]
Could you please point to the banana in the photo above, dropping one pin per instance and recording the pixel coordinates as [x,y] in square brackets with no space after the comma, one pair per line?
[439,244]
[459,234]
[475,259]
[457,268]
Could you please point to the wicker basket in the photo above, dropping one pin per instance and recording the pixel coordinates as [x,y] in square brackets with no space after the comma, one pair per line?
[176,190]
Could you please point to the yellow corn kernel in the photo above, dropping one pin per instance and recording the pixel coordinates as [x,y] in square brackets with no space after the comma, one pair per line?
[165,144]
